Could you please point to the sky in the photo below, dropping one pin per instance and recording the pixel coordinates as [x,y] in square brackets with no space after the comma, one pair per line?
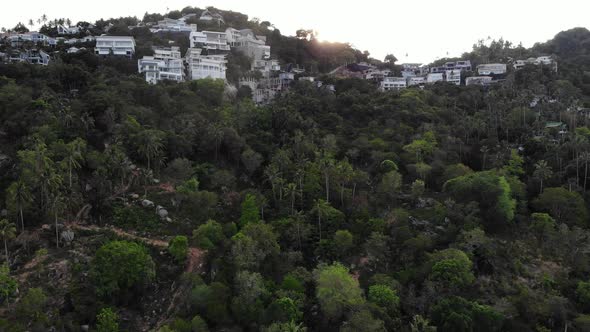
[413,30]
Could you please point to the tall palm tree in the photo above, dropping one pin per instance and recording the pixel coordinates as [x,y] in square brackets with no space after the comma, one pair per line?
[74,156]
[44,18]
[31,23]
[21,196]
[150,145]
[542,172]
[8,232]
[585,157]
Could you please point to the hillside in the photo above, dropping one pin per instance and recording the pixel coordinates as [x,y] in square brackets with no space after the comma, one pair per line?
[128,206]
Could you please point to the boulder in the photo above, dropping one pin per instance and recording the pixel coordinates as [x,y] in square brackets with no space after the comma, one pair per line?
[147,203]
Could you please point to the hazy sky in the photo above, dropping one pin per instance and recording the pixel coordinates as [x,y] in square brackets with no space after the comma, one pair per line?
[422,29]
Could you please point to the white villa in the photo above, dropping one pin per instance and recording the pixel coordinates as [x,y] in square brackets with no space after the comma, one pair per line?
[491,69]
[393,83]
[210,40]
[542,60]
[434,77]
[115,45]
[165,64]
[454,76]
[208,16]
[64,30]
[205,66]
[172,25]
[478,80]
[248,43]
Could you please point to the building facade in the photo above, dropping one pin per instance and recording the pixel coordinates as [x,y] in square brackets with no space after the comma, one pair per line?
[491,69]
[115,45]
[165,64]
[201,66]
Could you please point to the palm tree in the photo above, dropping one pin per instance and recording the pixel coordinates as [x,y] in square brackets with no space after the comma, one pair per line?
[320,207]
[74,156]
[150,145]
[57,206]
[586,159]
[8,232]
[31,23]
[542,172]
[484,150]
[21,196]
[291,190]
[44,18]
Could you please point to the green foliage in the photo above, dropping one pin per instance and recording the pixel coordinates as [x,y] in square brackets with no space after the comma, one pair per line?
[198,324]
[563,205]
[32,306]
[336,290]
[135,217]
[384,297]
[490,191]
[458,314]
[249,211]
[107,321]
[119,266]
[208,235]
[452,268]
[8,285]
[178,248]
[363,320]
[583,293]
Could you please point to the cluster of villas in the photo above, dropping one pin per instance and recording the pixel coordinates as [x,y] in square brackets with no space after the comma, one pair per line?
[414,74]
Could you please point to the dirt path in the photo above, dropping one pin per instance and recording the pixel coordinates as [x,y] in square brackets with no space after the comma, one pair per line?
[159,243]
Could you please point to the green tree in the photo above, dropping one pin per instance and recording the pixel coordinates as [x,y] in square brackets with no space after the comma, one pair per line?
[150,144]
[107,321]
[119,266]
[250,210]
[583,293]
[178,248]
[32,306]
[336,290]
[384,297]
[363,320]
[19,198]
[74,155]
[8,285]
[8,232]
[198,324]
[542,172]
[490,191]
[208,235]
[563,205]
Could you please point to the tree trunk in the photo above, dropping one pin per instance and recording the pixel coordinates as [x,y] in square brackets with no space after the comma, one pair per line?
[327,187]
[541,186]
[353,192]
[70,172]
[56,231]
[320,222]
[585,175]
[22,219]
[6,252]
[292,201]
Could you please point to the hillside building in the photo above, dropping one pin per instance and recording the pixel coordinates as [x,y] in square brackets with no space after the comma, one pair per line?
[115,45]
[201,66]
[165,64]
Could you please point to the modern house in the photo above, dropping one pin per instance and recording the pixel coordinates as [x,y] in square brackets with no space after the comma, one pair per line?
[64,30]
[478,80]
[416,80]
[393,83]
[209,40]
[172,25]
[491,69]
[453,76]
[33,56]
[205,66]
[266,66]
[165,64]
[115,45]
[209,16]
[458,65]
[248,43]
[434,77]
[18,40]
[542,60]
